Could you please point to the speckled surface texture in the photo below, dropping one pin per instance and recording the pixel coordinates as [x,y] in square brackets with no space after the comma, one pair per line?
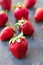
[34,55]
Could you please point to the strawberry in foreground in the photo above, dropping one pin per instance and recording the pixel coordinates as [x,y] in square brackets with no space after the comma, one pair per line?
[6,4]
[26,27]
[18,46]
[6,33]
[29,3]
[21,12]
[3,18]
[38,15]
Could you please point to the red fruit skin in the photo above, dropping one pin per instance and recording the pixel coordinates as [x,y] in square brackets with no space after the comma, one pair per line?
[3,19]
[42,27]
[6,33]
[38,15]
[27,28]
[19,49]
[6,4]
[21,12]
[29,3]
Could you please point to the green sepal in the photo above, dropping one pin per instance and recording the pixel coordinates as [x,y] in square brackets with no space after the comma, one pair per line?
[21,4]
[20,22]
[16,38]
[3,12]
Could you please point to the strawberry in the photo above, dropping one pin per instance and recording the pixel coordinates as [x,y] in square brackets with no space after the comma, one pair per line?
[6,4]
[38,15]
[6,33]
[3,18]
[21,12]
[18,46]
[29,3]
[42,27]
[26,27]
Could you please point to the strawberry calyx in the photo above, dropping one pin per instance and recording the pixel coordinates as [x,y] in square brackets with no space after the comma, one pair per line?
[3,12]
[17,38]
[19,4]
[20,22]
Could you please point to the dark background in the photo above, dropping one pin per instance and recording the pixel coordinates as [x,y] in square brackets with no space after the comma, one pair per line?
[34,55]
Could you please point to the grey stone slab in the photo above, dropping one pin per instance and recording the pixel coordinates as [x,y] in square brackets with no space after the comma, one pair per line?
[34,55]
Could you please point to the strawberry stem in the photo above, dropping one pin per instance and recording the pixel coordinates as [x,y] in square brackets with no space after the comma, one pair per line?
[20,35]
[16,38]
[19,22]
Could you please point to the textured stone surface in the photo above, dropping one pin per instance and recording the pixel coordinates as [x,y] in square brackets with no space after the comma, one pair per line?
[34,55]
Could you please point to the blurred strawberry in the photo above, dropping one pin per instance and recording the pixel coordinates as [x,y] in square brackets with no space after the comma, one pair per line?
[6,33]
[29,3]
[3,18]
[6,4]
[21,12]
[38,15]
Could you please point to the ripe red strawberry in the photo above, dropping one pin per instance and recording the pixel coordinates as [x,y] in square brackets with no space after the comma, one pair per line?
[18,46]
[6,4]
[26,27]
[6,33]
[29,3]
[21,12]
[3,18]
[38,15]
